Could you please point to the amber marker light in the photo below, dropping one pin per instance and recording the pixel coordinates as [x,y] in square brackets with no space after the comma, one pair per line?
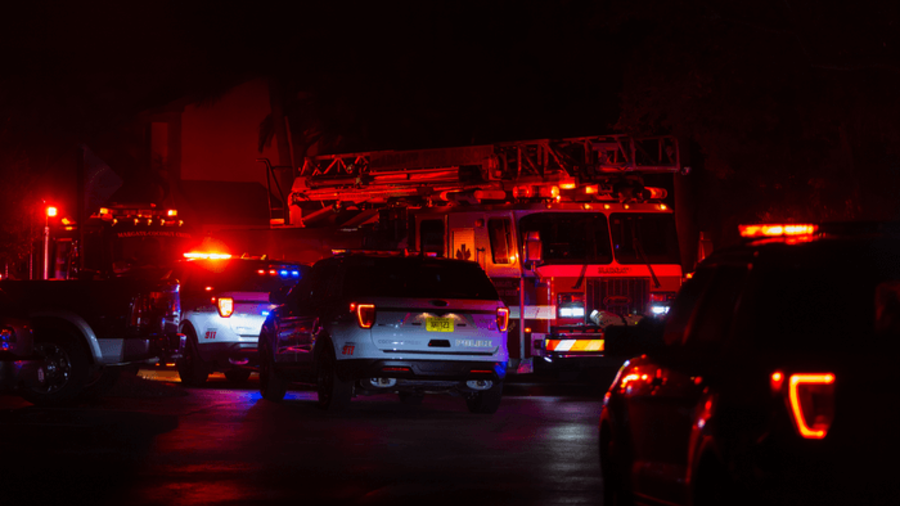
[812,417]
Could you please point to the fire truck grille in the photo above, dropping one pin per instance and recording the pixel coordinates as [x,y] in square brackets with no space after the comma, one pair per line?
[619,296]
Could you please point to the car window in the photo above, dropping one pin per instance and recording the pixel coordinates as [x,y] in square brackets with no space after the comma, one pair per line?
[432,236]
[711,320]
[500,231]
[812,309]
[406,277]
[684,305]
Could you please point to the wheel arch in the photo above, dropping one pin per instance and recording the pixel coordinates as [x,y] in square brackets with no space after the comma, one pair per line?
[75,327]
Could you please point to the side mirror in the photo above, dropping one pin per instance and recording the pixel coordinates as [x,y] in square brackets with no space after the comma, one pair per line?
[628,341]
[533,248]
[279,296]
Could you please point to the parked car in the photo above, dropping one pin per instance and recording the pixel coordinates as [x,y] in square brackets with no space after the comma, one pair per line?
[368,323]
[773,380]
[21,367]
[224,303]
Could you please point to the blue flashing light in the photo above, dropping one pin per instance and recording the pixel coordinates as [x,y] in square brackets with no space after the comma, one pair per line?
[500,369]
[265,313]
[283,273]
[296,274]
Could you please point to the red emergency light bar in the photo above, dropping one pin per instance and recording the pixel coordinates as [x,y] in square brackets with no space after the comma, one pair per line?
[777,230]
[196,255]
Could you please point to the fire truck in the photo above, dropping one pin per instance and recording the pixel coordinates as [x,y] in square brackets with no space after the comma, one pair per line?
[569,230]
[117,239]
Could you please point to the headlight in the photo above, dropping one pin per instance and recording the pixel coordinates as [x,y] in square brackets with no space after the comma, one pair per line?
[570,305]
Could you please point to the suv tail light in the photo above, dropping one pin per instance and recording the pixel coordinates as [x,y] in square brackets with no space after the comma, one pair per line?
[365,314]
[225,305]
[811,402]
[502,318]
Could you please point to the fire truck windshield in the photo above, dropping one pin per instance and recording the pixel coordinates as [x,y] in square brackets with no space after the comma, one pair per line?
[570,238]
[640,238]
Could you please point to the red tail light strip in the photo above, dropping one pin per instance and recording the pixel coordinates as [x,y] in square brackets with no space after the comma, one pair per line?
[365,314]
[502,319]
[820,425]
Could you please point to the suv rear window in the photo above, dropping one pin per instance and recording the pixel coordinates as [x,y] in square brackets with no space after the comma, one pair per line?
[239,276]
[403,277]
[797,309]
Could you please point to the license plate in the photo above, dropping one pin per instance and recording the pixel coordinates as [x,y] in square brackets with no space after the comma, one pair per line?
[439,324]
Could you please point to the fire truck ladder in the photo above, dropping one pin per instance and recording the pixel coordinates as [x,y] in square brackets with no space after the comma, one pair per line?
[381,175]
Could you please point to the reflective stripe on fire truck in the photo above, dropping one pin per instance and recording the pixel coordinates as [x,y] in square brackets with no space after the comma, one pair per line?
[574,344]
[534,312]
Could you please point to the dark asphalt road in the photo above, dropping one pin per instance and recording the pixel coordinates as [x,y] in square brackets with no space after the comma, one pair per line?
[153,442]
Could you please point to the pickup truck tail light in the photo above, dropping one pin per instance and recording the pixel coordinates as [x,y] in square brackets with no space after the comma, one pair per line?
[810,399]
[225,306]
[365,314]
[502,319]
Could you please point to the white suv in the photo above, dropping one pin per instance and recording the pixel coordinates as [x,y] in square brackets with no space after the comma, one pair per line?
[368,323]
[224,302]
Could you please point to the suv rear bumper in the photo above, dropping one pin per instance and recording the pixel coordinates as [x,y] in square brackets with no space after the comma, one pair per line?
[231,354]
[430,370]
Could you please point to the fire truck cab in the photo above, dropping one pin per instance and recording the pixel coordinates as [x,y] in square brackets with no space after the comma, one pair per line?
[565,229]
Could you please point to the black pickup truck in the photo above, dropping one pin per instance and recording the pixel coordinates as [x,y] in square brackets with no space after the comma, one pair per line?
[86,331]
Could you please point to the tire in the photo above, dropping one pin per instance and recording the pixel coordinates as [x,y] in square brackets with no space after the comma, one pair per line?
[237,375]
[334,393]
[192,370]
[487,401]
[66,371]
[411,398]
[271,387]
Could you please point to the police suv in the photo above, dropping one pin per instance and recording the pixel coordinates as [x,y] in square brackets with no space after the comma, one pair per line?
[374,323]
[773,381]
[224,303]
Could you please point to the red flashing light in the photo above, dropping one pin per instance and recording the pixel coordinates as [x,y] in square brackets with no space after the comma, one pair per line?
[225,306]
[51,212]
[365,315]
[523,192]
[172,212]
[502,319]
[777,230]
[811,399]
[196,255]
[568,185]
[591,189]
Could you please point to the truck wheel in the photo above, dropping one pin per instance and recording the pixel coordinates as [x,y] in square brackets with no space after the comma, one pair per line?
[270,386]
[487,401]
[237,375]
[66,371]
[334,393]
[192,370]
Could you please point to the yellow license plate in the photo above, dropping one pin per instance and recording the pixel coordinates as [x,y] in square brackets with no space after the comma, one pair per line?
[439,324]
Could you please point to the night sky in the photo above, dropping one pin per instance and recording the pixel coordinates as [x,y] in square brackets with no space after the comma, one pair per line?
[784,109]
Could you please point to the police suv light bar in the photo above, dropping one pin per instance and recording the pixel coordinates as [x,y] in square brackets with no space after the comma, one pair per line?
[777,230]
[193,255]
